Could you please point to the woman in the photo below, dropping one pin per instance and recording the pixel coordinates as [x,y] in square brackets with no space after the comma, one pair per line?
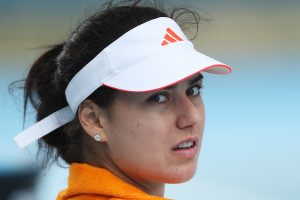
[120,102]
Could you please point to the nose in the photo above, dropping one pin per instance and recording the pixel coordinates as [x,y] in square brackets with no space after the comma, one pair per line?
[189,112]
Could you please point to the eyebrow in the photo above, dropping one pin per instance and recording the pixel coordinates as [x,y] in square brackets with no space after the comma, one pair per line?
[191,81]
[195,79]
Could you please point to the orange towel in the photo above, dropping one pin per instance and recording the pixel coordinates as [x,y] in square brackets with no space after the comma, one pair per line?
[91,183]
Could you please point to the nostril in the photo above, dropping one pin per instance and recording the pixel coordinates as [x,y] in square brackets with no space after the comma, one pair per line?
[187,121]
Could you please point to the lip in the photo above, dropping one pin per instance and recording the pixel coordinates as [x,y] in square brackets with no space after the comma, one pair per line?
[187,153]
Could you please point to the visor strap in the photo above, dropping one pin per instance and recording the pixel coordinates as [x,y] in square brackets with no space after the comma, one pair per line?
[45,126]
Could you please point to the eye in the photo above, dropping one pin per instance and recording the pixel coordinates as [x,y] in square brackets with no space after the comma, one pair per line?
[158,98]
[193,91]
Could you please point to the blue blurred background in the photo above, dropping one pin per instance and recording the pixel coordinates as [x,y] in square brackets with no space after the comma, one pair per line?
[251,145]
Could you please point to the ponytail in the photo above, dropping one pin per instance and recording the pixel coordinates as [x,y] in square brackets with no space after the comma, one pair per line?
[43,92]
[40,87]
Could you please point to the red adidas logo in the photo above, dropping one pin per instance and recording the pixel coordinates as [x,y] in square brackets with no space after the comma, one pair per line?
[170,37]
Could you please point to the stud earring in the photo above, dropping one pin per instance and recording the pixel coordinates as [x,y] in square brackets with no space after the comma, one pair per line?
[97,138]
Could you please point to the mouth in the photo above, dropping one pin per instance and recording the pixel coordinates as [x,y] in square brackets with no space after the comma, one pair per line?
[185,145]
[186,149]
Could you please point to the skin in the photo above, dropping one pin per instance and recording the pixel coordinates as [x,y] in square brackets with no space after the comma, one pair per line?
[139,131]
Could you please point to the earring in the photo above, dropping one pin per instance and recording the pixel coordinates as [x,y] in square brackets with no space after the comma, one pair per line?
[97,138]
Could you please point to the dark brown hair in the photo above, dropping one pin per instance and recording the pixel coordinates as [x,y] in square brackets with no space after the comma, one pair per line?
[50,74]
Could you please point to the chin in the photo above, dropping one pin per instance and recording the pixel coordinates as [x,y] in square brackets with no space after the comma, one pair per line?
[180,175]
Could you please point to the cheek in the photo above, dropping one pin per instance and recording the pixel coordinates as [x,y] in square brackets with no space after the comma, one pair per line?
[138,144]
[143,130]
[147,133]
[136,133]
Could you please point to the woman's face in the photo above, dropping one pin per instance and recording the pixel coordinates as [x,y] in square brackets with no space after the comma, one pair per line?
[156,136]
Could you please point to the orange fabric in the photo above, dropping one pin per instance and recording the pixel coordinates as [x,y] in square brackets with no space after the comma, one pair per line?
[90,183]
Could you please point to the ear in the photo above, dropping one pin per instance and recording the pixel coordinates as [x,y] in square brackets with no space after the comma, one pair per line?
[91,118]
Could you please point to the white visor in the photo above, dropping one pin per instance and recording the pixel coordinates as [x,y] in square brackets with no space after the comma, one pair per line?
[151,56]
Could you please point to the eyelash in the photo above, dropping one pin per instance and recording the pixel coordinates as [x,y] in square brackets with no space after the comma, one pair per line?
[153,99]
[199,87]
